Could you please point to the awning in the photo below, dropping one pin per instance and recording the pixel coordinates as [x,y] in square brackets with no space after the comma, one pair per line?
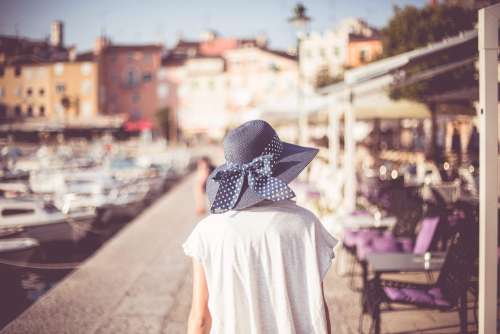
[139,125]
[380,106]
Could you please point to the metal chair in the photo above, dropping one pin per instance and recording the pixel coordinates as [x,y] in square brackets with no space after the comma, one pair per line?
[448,293]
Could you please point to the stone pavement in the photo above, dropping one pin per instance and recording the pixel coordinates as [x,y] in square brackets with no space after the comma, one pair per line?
[345,307]
[140,282]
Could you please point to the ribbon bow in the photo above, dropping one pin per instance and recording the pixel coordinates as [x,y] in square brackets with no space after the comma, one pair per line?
[258,173]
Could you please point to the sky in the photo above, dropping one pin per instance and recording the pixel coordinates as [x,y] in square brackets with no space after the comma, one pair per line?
[145,21]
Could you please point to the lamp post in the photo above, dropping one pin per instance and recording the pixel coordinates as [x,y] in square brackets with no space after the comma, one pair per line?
[300,21]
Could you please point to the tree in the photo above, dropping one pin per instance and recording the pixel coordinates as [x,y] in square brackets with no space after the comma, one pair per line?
[163,121]
[324,78]
[412,28]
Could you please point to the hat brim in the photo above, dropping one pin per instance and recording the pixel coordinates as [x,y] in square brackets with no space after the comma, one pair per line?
[293,160]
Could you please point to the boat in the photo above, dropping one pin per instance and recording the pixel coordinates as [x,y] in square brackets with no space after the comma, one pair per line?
[17,250]
[33,218]
[99,190]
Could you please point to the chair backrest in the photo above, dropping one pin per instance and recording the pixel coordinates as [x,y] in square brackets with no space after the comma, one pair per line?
[426,235]
[454,276]
[408,208]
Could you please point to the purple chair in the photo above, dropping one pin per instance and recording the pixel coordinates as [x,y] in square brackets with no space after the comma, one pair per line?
[449,291]
[388,243]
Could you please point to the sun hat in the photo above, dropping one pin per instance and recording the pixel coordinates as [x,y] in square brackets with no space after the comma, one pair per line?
[259,166]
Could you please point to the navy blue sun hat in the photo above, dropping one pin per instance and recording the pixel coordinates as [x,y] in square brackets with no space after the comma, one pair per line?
[259,166]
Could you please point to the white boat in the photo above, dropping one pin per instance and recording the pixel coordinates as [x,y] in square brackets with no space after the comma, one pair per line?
[41,221]
[17,250]
[46,181]
[99,191]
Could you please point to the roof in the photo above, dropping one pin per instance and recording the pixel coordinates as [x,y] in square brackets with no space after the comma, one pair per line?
[172,59]
[132,47]
[364,38]
[85,56]
[21,50]
[281,54]
[390,64]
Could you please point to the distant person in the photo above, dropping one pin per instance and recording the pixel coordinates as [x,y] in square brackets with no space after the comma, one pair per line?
[259,259]
[203,169]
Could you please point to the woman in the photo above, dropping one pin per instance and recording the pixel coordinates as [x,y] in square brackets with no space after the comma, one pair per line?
[203,169]
[259,259]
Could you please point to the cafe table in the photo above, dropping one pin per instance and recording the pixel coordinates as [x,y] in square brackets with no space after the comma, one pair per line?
[382,263]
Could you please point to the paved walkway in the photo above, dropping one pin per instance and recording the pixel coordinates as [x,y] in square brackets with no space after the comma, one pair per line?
[140,282]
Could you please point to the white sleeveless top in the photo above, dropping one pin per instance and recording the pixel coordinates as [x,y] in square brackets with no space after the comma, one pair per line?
[264,267]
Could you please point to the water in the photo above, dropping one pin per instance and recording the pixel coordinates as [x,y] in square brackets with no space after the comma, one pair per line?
[20,287]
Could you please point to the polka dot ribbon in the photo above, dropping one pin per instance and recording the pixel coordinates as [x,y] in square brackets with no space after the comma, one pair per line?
[258,173]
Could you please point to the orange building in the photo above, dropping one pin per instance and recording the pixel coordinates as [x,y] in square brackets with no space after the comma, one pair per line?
[363,49]
[62,92]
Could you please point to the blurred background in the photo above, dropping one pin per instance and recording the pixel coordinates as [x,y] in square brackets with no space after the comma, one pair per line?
[112,115]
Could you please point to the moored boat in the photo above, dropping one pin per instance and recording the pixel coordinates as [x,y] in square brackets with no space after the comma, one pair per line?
[17,250]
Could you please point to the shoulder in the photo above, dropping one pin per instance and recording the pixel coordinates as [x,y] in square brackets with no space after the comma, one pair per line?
[291,210]
[292,217]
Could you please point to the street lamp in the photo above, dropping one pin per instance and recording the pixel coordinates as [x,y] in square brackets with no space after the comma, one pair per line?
[300,21]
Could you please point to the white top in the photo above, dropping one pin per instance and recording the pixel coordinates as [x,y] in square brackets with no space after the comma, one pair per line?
[264,268]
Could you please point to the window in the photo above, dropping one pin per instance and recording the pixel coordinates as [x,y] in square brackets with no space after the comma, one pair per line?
[211,85]
[2,71]
[87,109]
[1,92]
[17,71]
[29,111]
[60,88]
[130,56]
[162,91]
[17,91]
[363,56]
[132,77]
[162,74]
[17,110]
[41,92]
[29,92]
[28,73]
[86,69]
[336,51]
[136,98]
[86,87]
[322,53]
[59,69]
[147,77]
[274,67]
[13,212]
[3,111]
[41,111]
[147,58]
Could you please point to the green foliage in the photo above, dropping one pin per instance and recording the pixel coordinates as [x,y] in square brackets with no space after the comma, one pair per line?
[412,28]
[324,78]
[162,117]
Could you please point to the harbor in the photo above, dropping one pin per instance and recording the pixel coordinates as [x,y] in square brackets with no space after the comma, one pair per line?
[119,133]
[59,211]
[140,282]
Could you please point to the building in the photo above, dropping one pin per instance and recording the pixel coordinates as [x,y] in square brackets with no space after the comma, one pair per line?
[363,49]
[128,79]
[62,92]
[45,80]
[212,82]
[351,44]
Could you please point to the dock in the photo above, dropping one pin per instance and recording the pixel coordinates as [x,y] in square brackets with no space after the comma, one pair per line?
[140,282]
